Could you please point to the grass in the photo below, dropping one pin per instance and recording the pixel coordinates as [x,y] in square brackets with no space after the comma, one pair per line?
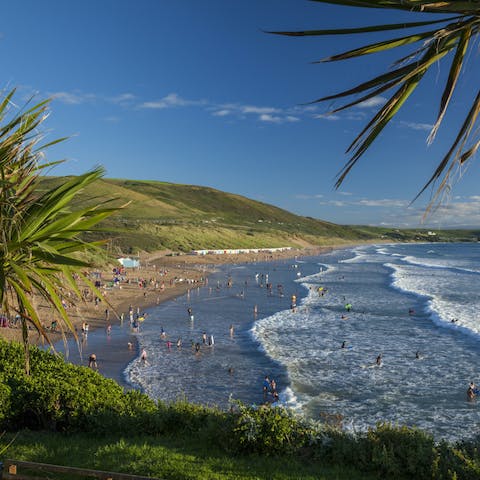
[163,457]
[182,218]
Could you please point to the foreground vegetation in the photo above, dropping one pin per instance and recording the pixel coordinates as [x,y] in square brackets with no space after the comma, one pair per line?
[80,418]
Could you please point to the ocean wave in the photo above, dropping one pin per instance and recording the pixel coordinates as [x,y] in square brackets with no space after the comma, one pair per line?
[446,264]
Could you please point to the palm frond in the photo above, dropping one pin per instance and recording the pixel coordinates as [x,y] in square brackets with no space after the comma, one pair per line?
[453,33]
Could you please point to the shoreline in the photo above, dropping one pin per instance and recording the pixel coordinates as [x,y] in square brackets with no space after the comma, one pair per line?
[179,274]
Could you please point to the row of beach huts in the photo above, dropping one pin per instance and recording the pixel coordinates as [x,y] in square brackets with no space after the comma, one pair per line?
[134,261]
[236,251]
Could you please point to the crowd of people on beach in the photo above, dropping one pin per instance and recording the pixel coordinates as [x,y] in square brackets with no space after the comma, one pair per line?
[207,340]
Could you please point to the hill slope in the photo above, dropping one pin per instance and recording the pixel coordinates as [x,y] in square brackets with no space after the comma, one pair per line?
[185,217]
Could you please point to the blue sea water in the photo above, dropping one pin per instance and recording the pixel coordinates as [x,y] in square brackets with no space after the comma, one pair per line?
[404,298]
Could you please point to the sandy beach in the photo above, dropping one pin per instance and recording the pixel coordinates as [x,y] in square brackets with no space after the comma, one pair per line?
[166,277]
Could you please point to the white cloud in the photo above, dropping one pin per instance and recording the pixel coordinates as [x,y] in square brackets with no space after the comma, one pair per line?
[124,99]
[417,126]
[302,196]
[258,110]
[270,118]
[386,202]
[372,102]
[72,98]
[172,100]
[222,113]
[326,116]
[276,118]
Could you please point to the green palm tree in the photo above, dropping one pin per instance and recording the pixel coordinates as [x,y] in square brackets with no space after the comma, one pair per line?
[41,250]
[447,38]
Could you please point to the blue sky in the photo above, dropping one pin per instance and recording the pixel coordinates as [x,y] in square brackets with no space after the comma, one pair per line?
[195,92]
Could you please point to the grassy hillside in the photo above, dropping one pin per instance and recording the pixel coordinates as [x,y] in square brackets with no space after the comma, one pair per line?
[185,217]
[181,218]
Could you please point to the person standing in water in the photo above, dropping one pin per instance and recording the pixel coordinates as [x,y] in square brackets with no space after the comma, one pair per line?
[266,386]
[92,361]
[378,361]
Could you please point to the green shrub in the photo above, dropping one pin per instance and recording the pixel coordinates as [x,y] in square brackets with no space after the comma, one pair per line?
[58,396]
[268,430]
[460,461]
[401,451]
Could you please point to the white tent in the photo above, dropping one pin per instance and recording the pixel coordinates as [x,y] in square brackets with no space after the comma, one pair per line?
[129,262]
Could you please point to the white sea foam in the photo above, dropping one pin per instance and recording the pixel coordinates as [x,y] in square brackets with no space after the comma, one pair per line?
[382,284]
[328,379]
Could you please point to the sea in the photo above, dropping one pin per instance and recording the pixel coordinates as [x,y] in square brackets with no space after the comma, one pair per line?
[318,325]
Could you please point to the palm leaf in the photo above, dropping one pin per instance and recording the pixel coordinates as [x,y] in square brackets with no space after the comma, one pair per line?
[428,6]
[352,31]
[452,78]
[455,34]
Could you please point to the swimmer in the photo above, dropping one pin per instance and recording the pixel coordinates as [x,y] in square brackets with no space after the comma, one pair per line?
[378,361]
[130,345]
[344,317]
[417,355]
[471,391]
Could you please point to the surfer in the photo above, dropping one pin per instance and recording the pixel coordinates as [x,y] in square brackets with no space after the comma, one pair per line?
[344,344]
[378,361]
[417,355]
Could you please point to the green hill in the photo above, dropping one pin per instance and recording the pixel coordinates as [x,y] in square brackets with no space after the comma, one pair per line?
[168,216]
